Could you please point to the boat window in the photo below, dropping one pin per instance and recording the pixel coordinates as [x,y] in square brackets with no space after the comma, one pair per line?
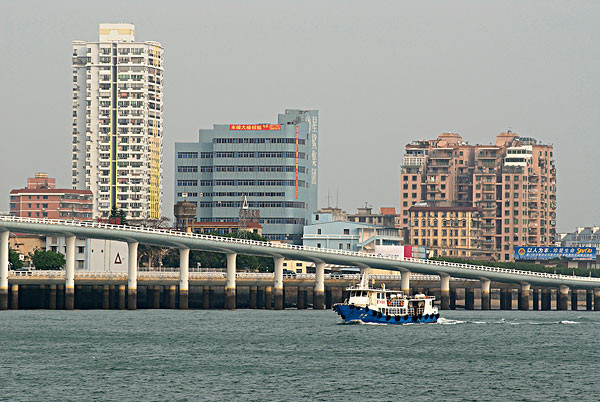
[352,294]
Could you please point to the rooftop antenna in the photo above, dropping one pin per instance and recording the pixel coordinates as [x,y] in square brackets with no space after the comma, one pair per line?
[337,197]
[328,199]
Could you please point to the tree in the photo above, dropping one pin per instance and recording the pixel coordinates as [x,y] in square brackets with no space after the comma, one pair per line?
[43,259]
[118,214]
[13,259]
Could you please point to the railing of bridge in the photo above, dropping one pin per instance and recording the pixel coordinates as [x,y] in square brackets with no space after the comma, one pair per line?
[274,246]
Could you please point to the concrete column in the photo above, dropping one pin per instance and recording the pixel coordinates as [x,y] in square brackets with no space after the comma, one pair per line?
[536,299]
[172,296]
[260,297]
[132,275]
[589,299]
[105,297]
[509,299]
[485,294]
[319,291]
[328,298]
[60,297]
[597,299]
[52,297]
[156,297]
[546,300]
[562,301]
[205,297]
[452,299]
[70,273]
[4,235]
[405,282]
[230,287]
[502,299]
[252,297]
[121,297]
[14,297]
[301,304]
[184,277]
[278,283]
[574,299]
[524,297]
[445,291]
[469,299]
[268,297]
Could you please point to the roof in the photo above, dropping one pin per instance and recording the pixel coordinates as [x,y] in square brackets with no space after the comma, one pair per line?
[49,191]
[249,224]
[444,209]
[387,211]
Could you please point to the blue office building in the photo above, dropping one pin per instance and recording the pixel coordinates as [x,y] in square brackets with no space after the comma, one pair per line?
[275,166]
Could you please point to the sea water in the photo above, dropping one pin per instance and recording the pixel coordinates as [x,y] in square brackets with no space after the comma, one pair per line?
[156,355]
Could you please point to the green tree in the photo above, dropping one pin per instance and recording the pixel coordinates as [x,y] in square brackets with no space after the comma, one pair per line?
[43,259]
[218,260]
[13,259]
[118,214]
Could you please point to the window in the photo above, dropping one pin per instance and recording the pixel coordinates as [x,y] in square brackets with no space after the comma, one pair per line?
[187,155]
[346,231]
[317,217]
[341,246]
[80,249]
[318,245]
[318,231]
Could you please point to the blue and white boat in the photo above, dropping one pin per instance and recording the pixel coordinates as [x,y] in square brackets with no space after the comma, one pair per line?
[384,306]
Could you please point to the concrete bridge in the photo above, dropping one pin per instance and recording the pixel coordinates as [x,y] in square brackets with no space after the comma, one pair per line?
[523,280]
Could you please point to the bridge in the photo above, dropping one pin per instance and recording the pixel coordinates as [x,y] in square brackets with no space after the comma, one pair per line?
[526,281]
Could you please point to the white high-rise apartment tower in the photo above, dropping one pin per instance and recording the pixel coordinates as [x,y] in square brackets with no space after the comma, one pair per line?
[117,122]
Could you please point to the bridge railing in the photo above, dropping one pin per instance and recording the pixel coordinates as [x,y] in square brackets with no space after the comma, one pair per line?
[359,254]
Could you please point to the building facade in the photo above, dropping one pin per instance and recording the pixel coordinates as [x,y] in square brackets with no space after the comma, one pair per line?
[513,183]
[326,232]
[274,167]
[41,199]
[117,122]
[446,231]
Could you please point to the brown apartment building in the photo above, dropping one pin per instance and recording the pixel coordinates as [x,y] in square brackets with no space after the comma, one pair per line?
[513,183]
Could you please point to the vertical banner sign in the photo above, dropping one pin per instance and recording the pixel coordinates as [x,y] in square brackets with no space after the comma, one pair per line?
[297,136]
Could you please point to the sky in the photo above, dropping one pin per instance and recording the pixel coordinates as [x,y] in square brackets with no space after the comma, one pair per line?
[381,74]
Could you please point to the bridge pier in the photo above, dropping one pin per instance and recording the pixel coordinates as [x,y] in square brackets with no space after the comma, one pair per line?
[574,299]
[546,299]
[260,297]
[121,297]
[205,297]
[405,282]
[14,297]
[469,299]
[524,296]
[268,297]
[184,277]
[252,291]
[452,299]
[589,299]
[562,300]
[52,297]
[172,297]
[70,273]
[4,235]
[319,290]
[596,299]
[328,298]
[444,291]
[485,294]
[278,285]
[132,275]
[301,304]
[105,297]
[536,299]
[230,297]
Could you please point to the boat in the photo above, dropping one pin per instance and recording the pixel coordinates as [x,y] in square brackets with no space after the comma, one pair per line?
[385,306]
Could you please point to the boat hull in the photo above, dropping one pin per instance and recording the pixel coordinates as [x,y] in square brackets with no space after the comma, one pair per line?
[353,314]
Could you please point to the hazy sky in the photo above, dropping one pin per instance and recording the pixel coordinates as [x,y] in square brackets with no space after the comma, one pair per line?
[380,73]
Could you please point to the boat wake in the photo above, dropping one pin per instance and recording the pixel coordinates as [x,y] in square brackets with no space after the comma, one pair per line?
[448,321]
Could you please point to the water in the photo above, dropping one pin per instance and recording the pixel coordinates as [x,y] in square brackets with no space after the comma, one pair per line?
[160,355]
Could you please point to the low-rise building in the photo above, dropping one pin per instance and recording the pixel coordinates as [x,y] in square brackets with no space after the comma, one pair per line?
[588,236]
[41,199]
[325,232]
